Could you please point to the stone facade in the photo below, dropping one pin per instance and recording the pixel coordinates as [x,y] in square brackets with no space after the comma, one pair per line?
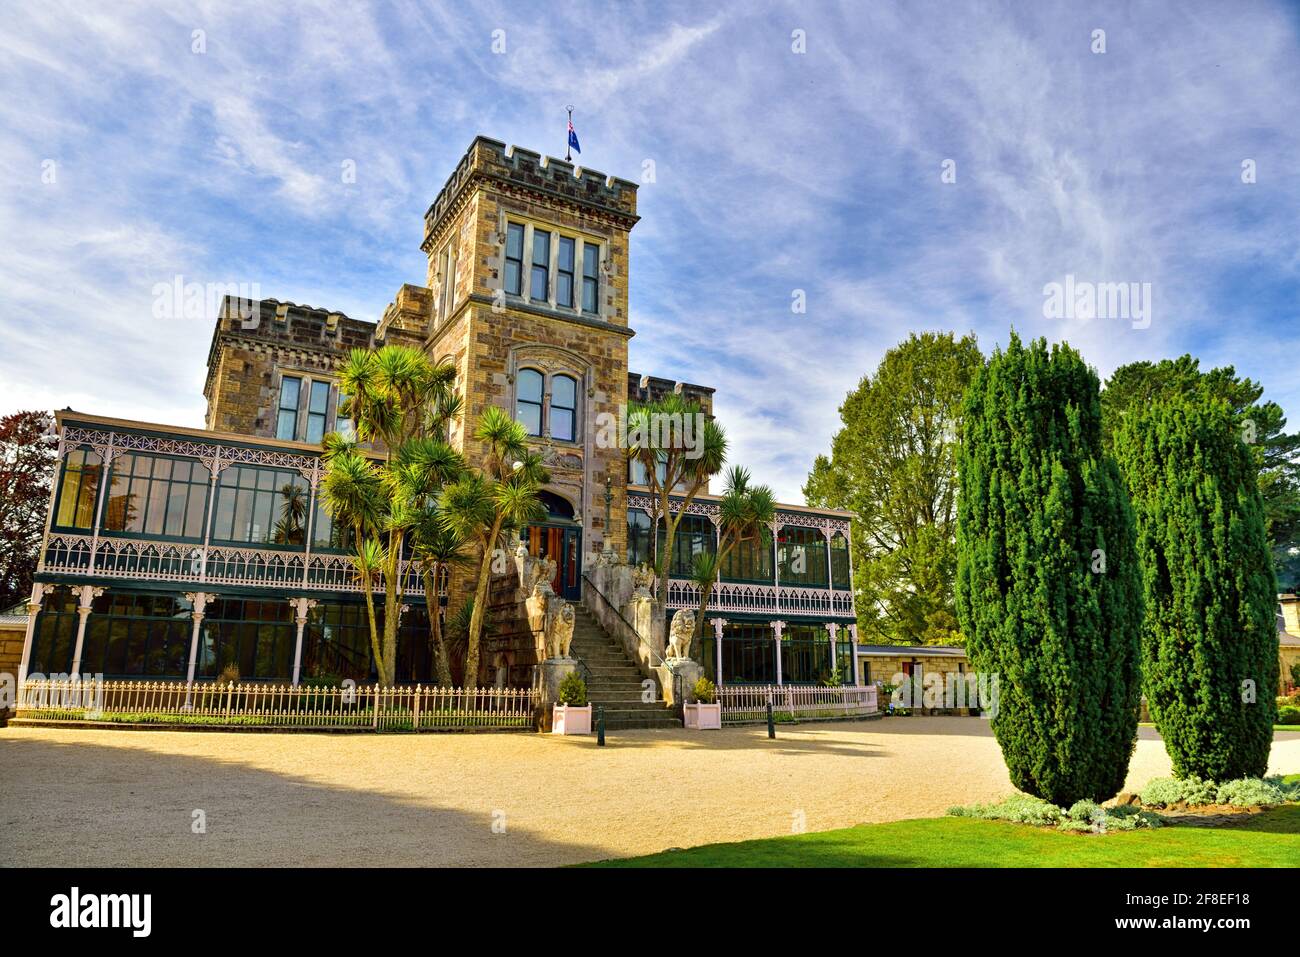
[878,668]
[490,334]
[255,347]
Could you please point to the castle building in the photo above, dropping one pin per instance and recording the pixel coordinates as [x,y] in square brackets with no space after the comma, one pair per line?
[183,553]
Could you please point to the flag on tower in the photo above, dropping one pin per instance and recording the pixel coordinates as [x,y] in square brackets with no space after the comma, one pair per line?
[573,138]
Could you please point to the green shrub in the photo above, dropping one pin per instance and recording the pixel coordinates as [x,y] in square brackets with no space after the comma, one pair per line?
[1288,714]
[1249,792]
[1161,792]
[1018,809]
[1129,818]
[1210,590]
[1084,810]
[573,690]
[1038,496]
[1082,817]
[705,691]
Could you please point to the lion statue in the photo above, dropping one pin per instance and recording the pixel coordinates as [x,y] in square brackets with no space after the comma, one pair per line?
[559,634]
[680,634]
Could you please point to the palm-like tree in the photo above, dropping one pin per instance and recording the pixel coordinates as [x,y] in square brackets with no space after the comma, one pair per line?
[354,496]
[480,505]
[745,514]
[655,433]
[438,549]
[400,403]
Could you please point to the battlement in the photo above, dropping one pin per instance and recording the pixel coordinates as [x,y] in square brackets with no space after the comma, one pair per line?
[513,167]
[292,323]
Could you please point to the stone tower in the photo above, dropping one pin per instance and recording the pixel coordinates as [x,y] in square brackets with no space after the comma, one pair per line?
[527,295]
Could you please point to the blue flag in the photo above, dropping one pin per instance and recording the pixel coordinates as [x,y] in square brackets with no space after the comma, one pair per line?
[573,139]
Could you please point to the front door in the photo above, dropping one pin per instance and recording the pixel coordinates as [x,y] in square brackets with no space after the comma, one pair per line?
[562,544]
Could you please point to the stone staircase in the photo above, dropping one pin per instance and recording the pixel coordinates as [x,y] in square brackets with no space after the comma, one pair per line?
[615,681]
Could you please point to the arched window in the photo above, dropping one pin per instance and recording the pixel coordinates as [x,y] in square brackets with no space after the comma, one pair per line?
[528,400]
[564,408]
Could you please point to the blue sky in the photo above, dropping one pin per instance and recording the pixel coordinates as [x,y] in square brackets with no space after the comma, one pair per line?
[773,171]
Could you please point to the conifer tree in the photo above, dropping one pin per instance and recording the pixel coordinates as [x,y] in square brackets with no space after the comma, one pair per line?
[1048,584]
[1209,644]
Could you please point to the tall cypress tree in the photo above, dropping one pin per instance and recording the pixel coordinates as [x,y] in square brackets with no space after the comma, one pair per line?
[1209,645]
[1048,585]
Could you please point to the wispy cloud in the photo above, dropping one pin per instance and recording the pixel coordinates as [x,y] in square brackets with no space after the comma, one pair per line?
[774,171]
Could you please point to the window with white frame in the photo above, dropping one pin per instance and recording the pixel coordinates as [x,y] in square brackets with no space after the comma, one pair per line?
[305,411]
[318,404]
[529,386]
[539,277]
[564,408]
[564,272]
[547,403]
[515,259]
[590,278]
[286,423]
[448,291]
[562,269]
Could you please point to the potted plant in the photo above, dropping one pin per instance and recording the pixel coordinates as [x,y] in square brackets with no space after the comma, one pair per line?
[705,712]
[572,715]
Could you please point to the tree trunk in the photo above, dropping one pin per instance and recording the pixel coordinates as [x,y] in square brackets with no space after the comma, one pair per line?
[480,607]
[392,604]
[368,593]
[439,647]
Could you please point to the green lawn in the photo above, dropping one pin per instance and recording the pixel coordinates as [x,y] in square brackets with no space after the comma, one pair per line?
[1270,839]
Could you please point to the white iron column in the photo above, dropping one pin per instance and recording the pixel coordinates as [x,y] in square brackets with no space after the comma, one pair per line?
[853,635]
[776,564]
[302,608]
[832,629]
[777,628]
[718,625]
[199,602]
[33,610]
[85,595]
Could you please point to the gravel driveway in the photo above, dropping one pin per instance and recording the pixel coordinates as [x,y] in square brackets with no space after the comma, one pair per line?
[98,797]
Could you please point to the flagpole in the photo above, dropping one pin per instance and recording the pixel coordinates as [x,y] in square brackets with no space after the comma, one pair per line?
[568,156]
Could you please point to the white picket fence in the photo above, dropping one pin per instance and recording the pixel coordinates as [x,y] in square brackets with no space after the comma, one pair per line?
[416,708]
[747,703]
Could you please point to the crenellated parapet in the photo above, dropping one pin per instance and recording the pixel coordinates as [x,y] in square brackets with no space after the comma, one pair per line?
[513,169]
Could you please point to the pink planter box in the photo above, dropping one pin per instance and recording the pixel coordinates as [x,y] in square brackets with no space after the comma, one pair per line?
[703,717]
[567,719]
